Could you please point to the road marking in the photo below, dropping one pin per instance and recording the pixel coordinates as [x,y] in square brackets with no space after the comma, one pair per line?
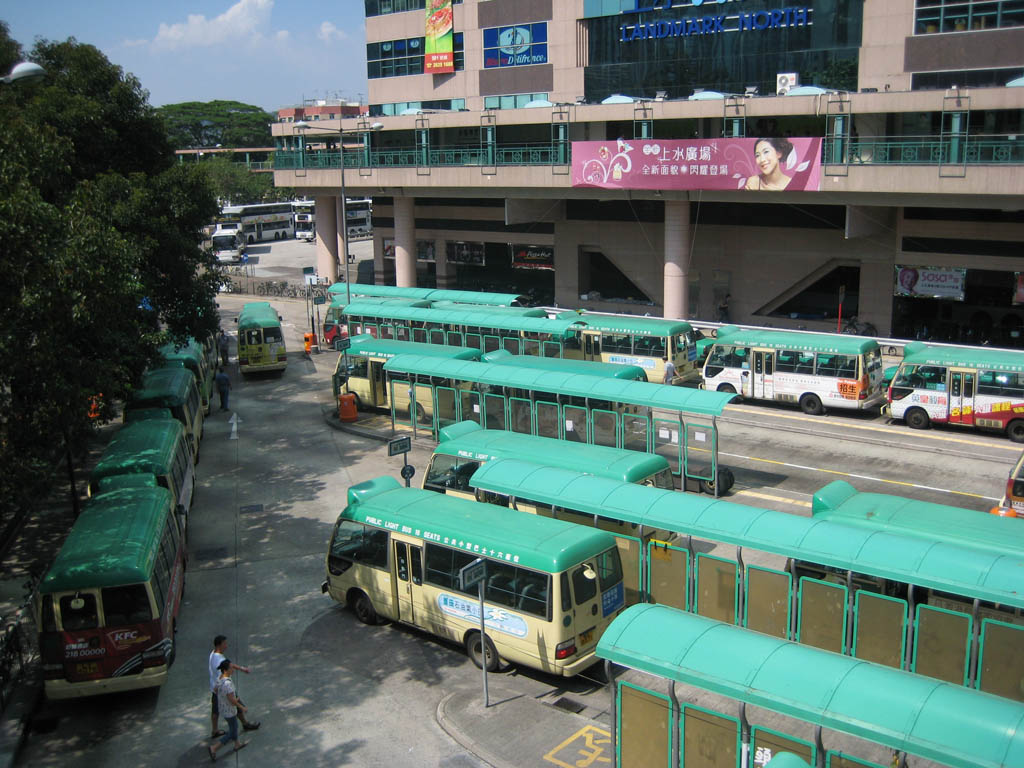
[854,475]
[931,435]
[769,497]
[588,746]
[235,421]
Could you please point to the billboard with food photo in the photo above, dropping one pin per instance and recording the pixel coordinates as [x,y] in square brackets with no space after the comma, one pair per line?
[439,52]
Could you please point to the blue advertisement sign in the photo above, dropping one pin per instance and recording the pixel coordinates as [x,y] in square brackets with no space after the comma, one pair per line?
[497,619]
[516,46]
[613,599]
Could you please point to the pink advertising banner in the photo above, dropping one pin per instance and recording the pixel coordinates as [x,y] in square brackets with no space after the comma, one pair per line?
[721,164]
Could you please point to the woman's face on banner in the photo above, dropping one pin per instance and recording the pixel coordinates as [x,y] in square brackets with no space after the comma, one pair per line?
[766,157]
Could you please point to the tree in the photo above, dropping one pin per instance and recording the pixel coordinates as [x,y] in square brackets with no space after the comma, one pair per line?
[101,253]
[217,123]
[231,180]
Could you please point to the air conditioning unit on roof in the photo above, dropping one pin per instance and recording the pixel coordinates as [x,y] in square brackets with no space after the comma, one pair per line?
[784,81]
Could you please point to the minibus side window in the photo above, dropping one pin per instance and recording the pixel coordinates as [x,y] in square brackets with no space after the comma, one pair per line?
[79,612]
[126,605]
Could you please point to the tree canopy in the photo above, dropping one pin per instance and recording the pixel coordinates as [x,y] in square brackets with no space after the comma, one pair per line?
[101,251]
[193,124]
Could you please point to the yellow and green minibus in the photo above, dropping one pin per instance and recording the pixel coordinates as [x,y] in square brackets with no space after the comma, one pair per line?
[156,448]
[360,370]
[465,446]
[107,608]
[642,341]
[194,357]
[260,339]
[174,389]
[550,587]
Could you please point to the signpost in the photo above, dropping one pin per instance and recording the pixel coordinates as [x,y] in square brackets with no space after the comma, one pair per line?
[309,278]
[470,574]
[402,445]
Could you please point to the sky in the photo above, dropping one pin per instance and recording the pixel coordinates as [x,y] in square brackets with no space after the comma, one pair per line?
[271,53]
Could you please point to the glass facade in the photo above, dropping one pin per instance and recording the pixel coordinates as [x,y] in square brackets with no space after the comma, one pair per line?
[936,16]
[682,48]
[384,7]
[512,101]
[396,58]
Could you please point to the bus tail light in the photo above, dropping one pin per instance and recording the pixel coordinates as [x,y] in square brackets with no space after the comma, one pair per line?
[862,390]
[565,649]
[153,658]
[53,671]
[243,361]
[282,357]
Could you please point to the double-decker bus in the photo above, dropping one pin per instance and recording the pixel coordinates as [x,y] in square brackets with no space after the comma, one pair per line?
[965,386]
[305,220]
[914,599]
[739,699]
[550,588]
[814,370]
[263,221]
[107,608]
[359,216]
[676,422]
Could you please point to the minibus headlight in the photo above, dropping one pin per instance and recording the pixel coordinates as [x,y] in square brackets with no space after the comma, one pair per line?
[153,658]
[53,671]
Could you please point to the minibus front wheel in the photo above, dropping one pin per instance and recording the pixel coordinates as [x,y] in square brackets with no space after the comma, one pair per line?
[362,607]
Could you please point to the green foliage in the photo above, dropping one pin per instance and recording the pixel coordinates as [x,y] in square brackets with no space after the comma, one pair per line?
[217,123]
[231,180]
[97,220]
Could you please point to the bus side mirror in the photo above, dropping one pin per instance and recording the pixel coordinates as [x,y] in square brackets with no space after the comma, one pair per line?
[236,321]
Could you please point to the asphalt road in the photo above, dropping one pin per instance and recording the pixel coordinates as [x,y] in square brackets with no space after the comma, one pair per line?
[330,691]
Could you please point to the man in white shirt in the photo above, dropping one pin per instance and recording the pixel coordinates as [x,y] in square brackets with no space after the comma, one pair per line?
[220,646]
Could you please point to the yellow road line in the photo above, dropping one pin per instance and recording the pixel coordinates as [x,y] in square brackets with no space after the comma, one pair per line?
[1011,447]
[769,497]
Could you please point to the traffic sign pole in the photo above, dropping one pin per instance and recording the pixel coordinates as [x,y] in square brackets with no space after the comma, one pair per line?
[470,574]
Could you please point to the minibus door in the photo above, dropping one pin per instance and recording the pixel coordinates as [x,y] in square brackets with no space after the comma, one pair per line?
[591,346]
[407,581]
[586,593]
[378,389]
[764,369]
[961,397]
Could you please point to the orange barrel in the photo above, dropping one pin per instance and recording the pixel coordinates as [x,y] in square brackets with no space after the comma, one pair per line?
[308,340]
[347,407]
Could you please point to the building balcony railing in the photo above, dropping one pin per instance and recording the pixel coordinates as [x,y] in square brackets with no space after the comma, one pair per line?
[1005,149]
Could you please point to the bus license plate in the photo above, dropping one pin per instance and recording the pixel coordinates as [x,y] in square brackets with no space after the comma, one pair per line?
[586,637]
[88,668]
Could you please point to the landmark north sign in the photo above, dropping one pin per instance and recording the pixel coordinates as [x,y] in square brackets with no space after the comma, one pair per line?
[712,23]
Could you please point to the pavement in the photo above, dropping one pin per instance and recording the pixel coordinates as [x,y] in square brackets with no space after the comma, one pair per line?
[563,722]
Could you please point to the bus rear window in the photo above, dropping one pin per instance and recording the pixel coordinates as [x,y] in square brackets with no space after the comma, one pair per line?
[609,569]
[583,588]
[273,335]
[78,612]
[126,605]
[252,337]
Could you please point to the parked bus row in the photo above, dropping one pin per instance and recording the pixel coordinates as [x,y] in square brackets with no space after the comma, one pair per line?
[963,386]
[107,608]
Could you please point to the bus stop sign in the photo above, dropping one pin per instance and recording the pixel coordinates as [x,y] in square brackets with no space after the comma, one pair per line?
[399,445]
[472,574]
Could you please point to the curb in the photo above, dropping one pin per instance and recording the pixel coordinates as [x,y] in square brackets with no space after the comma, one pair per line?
[467,742]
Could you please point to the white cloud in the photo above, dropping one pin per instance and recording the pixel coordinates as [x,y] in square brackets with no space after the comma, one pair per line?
[328,32]
[245,19]
[282,36]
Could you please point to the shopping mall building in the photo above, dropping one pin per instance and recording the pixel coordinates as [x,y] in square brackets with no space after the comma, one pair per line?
[605,154]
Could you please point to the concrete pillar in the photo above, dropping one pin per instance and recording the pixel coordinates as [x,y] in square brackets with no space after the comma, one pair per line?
[326,238]
[381,274]
[677,259]
[444,271]
[405,242]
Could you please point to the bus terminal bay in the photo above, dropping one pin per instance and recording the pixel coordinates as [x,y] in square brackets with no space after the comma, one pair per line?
[273,476]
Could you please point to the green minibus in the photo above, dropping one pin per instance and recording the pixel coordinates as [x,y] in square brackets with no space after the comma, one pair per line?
[176,390]
[260,339]
[194,357]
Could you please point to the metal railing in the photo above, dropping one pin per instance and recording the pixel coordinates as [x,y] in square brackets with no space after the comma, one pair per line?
[1006,149]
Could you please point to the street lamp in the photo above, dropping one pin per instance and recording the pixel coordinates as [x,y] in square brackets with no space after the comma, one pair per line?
[23,70]
[302,125]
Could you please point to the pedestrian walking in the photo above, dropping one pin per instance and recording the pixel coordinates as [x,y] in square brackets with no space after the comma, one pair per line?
[223,344]
[230,706]
[217,657]
[723,309]
[670,371]
[223,383]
